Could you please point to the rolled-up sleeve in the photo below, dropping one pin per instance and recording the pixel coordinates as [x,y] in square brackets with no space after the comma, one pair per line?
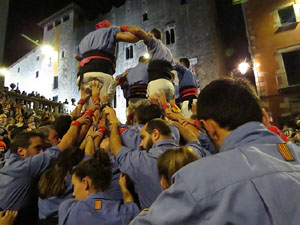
[129,161]
[40,162]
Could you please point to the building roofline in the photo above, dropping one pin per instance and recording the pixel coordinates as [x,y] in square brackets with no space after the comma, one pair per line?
[68,8]
[23,57]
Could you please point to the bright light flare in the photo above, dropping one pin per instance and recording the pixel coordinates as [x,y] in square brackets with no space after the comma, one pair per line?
[48,50]
[147,56]
[4,71]
[243,67]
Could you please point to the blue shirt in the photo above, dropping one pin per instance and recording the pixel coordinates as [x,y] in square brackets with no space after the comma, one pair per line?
[111,212]
[138,74]
[248,182]
[158,50]
[131,137]
[103,39]
[18,177]
[186,77]
[141,167]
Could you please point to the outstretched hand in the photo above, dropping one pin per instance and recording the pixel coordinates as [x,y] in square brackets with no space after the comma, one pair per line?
[9,217]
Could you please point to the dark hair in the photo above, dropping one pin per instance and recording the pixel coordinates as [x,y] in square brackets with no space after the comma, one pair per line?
[23,140]
[62,125]
[142,59]
[98,169]
[231,103]
[17,130]
[145,113]
[161,125]
[52,182]
[156,33]
[174,159]
[185,61]
[44,130]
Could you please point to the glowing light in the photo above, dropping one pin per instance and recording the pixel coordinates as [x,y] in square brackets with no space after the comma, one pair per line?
[243,67]
[4,71]
[147,56]
[48,50]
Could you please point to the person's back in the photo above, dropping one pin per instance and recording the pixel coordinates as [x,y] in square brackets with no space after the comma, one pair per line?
[110,211]
[138,74]
[252,180]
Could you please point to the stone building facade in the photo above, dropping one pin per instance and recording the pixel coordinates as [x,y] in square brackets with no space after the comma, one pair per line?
[188,28]
[274,44]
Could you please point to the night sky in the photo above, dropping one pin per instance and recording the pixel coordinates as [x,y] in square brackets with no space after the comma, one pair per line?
[25,14]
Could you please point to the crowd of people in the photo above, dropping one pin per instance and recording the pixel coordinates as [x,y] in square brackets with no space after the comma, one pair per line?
[183,156]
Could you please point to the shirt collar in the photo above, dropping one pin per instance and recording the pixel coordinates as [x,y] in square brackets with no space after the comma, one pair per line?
[251,132]
[165,143]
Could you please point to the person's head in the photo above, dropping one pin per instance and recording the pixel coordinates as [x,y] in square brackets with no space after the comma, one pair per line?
[154,131]
[285,127]
[20,119]
[50,134]
[171,161]
[11,121]
[92,175]
[226,104]
[62,125]
[185,62]
[52,182]
[143,59]
[146,112]
[27,144]
[3,119]
[156,33]
[30,119]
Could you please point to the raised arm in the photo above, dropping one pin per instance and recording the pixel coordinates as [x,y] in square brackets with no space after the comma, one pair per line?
[127,37]
[138,32]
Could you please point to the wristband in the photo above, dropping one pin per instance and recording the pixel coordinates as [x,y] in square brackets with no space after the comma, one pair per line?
[175,108]
[196,123]
[123,28]
[102,129]
[81,102]
[76,123]
[165,106]
[90,112]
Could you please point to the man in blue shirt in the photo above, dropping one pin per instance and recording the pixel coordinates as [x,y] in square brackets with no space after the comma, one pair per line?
[160,65]
[97,56]
[19,173]
[141,166]
[254,179]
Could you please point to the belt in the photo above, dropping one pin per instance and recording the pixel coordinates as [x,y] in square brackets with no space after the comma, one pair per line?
[88,59]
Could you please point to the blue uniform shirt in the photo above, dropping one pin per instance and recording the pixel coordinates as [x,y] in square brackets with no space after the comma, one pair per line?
[158,50]
[186,77]
[18,177]
[97,208]
[138,74]
[131,137]
[248,182]
[206,144]
[103,39]
[141,167]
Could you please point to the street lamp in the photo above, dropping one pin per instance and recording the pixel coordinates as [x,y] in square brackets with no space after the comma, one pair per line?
[49,51]
[243,67]
[4,71]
